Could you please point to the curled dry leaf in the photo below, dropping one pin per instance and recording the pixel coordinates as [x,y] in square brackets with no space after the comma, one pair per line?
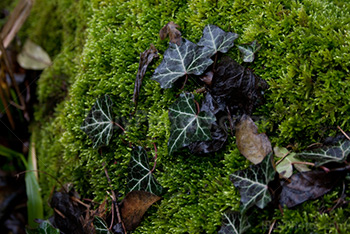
[171,29]
[134,206]
[145,59]
[251,144]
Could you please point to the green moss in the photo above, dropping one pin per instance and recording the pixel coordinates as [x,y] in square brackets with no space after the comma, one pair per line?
[304,58]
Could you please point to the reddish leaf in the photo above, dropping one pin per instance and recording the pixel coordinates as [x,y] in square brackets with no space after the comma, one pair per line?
[251,144]
[145,59]
[134,206]
[171,30]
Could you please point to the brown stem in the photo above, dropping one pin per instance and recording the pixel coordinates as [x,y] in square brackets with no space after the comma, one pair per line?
[282,158]
[186,78]
[197,105]
[155,157]
[304,163]
[119,126]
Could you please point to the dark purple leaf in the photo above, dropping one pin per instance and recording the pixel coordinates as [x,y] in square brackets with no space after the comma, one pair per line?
[308,185]
[145,59]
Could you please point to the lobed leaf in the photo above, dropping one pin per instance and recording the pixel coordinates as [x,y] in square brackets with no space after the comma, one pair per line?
[217,39]
[101,226]
[188,126]
[248,51]
[188,58]
[98,125]
[44,227]
[140,177]
[337,154]
[234,223]
[253,184]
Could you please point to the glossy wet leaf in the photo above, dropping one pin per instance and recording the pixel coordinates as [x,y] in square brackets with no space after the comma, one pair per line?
[308,185]
[251,144]
[188,126]
[248,51]
[234,223]
[285,167]
[44,228]
[253,184]
[217,39]
[171,29]
[140,176]
[101,226]
[98,125]
[337,154]
[146,58]
[134,206]
[188,58]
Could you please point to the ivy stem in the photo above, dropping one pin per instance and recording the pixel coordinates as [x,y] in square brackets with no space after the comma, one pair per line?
[186,78]
[304,163]
[155,157]
[346,135]
[119,126]
[197,105]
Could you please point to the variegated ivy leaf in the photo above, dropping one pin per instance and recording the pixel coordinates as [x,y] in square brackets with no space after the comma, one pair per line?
[188,126]
[234,223]
[188,58]
[98,125]
[336,154]
[248,51]
[140,177]
[253,184]
[217,39]
[101,226]
[285,167]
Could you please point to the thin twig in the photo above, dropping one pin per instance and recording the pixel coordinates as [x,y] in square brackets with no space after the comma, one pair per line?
[272,225]
[197,105]
[155,157]
[346,135]
[282,158]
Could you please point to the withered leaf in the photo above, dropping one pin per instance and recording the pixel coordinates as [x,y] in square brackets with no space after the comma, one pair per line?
[251,144]
[146,58]
[308,185]
[171,30]
[134,206]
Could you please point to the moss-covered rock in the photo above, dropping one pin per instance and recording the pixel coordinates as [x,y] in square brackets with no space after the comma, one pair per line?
[96,45]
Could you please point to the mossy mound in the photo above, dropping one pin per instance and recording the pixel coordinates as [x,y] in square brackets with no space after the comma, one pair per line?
[96,45]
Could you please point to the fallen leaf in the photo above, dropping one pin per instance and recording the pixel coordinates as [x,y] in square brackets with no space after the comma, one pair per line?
[251,144]
[234,223]
[285,167]
[145,59]
[140,177]
[308,185]
[171,30]
[207,78]
[187,125]
[134,206]
[337,154]
[252,184]
[33,57]
[217,39]
[180,60]
[248,51]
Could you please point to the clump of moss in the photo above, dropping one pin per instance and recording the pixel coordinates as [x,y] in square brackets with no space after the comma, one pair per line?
[304,58]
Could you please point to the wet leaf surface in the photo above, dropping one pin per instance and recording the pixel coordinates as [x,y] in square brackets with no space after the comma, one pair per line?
[188,126]
[234,223]
[337,154]
[140,176]
[217,39]
[253,184]
[251,144]
[134,206]
[248,51]
[145,59]
[186,59]
[98,125]
[171,29]
[309,185]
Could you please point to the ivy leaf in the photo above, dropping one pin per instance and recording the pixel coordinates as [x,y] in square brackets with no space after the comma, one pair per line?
[188,126]
[248,51]
[101,226]
[285,167]
[140,177]
[45,227]
[186,59]
[336,154]
[234,223]
[217,39]
[252,184]
[98,125]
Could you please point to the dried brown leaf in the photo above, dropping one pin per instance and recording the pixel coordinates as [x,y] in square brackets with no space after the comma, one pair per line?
[171,30]
[134,206]
[251,144]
